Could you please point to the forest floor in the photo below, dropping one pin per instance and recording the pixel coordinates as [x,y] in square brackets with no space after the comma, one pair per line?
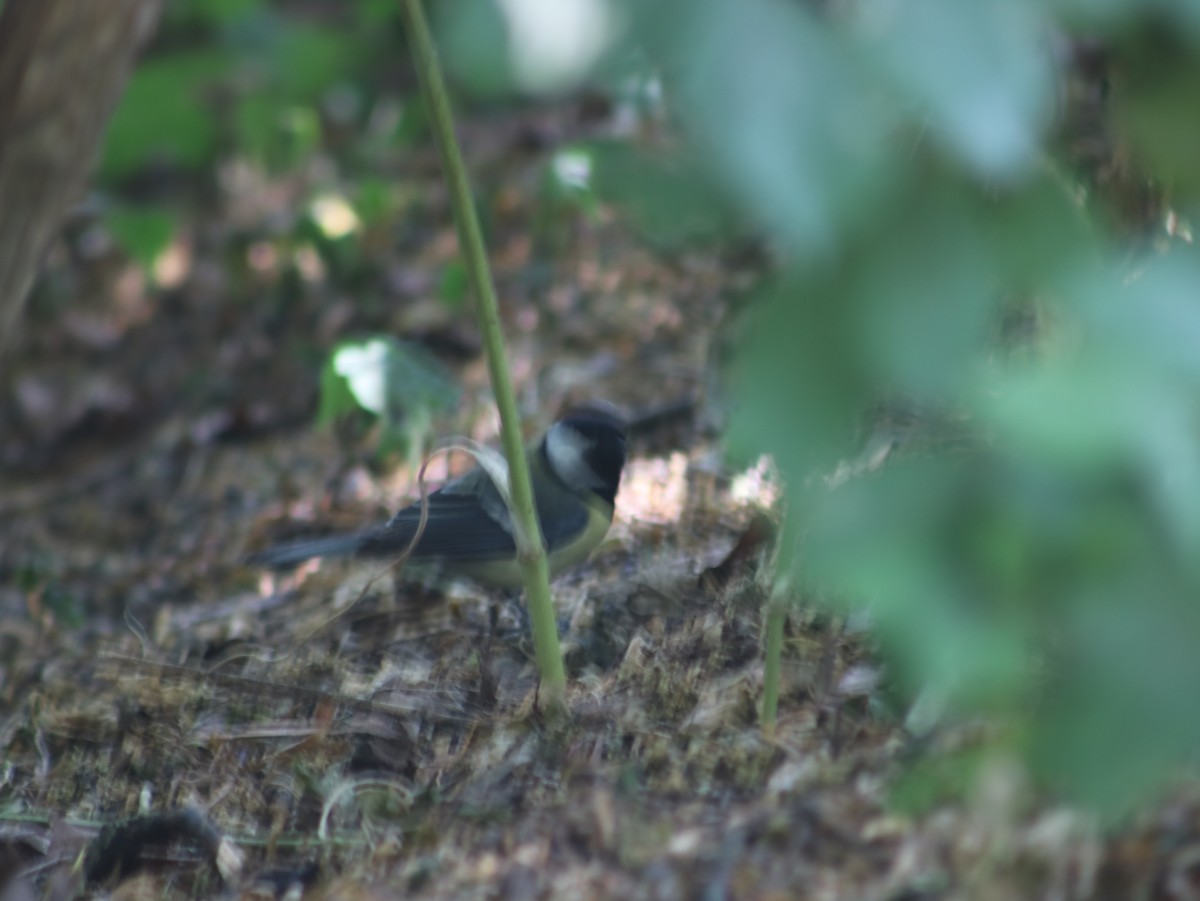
[174,723]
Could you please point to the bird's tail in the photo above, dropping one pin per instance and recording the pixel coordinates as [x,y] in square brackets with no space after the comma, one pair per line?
[285,556]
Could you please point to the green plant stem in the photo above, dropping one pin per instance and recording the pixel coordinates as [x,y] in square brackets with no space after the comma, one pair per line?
[530,550]
[776,615]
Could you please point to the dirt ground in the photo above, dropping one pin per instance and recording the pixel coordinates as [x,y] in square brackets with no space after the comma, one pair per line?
[174,723]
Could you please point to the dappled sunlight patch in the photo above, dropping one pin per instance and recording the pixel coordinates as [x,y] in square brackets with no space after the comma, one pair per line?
[654,489]
[757,486]
[334,216]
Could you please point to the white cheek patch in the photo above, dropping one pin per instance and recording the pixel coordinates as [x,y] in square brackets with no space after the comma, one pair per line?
[566,451]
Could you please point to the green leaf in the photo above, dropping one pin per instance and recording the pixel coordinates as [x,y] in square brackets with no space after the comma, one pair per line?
[163,114]
[392,380]
[1160,78]
[453,286]
[374,201]
[569,179]
[222,12]
[475,43]
[307,60]
[336,396]
[795,128]
[980,71]
[143,232]
[276,135]
[940,779]
[670,198]
[377,13]
[1122,712]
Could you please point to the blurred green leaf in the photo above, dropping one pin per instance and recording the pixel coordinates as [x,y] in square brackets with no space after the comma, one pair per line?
[398,383]
[936,780]
[473,37]
[916,324]
[143,232]
[219,12]
[277,136]
[163,114]
[670,198]
[980,71]
[899,543]
[374,201]
[256,124]
[272,69]
[570,178]
[1121,712]
[1127,12]
[337,396]
[454,285]
[1160,77]
[1052,553]
[373,13]
[413,126]
[307,60]
[795,128]
[795,348]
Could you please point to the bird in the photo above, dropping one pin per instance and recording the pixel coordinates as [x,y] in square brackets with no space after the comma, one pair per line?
[575,470]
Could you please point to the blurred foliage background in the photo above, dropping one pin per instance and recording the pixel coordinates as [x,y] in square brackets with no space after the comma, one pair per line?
[973,350]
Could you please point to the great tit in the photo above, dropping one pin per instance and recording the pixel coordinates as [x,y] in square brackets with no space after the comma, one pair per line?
[575,470]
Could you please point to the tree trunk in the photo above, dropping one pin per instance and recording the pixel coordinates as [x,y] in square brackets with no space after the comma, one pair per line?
[63,64]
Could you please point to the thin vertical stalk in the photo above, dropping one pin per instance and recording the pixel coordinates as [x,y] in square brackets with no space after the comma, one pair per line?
[772,655]
[531,553]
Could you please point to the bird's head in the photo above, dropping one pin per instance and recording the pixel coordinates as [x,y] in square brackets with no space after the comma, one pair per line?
[586,450]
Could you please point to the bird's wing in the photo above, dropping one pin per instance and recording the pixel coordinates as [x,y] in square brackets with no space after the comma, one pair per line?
[468,520]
